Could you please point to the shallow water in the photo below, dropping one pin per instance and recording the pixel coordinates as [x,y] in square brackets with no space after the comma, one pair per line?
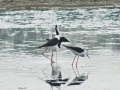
[96,30]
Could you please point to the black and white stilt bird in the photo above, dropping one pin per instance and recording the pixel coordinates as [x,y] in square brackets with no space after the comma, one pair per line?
[78,52]
[52,43]
[50,37]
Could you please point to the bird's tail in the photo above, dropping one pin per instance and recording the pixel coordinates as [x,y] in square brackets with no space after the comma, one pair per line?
[64,46]
[39,47]
[47,39]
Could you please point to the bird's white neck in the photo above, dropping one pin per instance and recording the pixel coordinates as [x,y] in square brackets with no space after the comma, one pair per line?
[58,37]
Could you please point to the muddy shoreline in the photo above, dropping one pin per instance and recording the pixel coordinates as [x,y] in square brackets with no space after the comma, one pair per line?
[46,6]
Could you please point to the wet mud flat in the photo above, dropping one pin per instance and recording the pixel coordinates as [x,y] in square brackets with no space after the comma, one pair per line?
[45,5]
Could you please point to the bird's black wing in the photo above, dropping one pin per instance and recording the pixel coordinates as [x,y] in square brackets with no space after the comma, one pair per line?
[51,42]
[77,49]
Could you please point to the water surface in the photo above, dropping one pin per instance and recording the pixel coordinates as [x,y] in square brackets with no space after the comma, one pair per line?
[96,30]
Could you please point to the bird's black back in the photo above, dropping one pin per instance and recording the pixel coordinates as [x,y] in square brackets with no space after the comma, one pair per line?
[77,49]
[51,42]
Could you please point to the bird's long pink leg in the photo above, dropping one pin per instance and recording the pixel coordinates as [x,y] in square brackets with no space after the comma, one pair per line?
[72,65]
[52,57]
[44,54]
[76,65]
[74,71]
[73,60]
[77,61]
[56,56]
